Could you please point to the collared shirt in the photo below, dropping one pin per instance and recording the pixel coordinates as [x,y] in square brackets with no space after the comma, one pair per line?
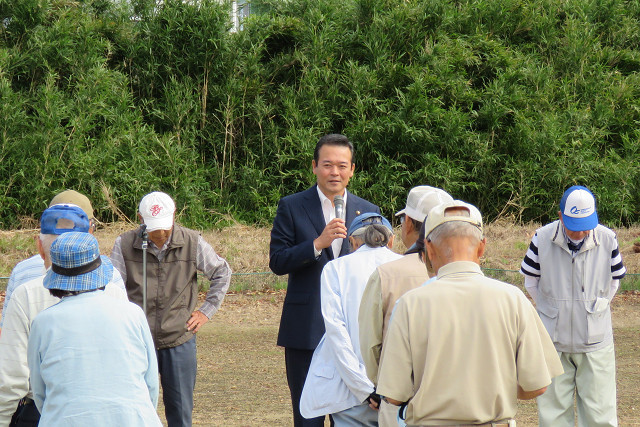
[23,272]
[208,262]
[457,349]
[92,362]
[29,299]
[337,379]
[329,213]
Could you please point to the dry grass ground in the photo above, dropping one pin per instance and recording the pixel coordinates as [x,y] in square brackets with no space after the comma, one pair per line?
[241,377]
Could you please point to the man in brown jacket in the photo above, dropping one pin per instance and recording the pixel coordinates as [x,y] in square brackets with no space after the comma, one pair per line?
[175,255]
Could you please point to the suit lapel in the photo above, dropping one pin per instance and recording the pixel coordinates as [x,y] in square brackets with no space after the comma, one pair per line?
[313,209]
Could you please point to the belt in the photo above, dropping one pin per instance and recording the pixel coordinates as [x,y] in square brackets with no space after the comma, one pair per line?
[495,424]
[485,424]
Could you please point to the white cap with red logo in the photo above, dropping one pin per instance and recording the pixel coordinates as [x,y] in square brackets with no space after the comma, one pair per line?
[157,211]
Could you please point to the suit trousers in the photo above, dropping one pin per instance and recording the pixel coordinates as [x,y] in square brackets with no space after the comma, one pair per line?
[297,363]
[178,367]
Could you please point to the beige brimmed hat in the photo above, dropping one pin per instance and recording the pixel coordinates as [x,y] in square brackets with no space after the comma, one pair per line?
[422,199]
[448,212]
[157,211]
[72,197]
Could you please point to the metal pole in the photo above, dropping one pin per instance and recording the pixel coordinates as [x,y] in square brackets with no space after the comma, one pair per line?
[145,243]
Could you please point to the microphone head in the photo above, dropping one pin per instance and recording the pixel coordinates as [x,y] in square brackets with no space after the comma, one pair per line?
[338,203]
[143,232]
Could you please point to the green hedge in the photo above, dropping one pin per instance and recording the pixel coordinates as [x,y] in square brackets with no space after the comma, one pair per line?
[503,103]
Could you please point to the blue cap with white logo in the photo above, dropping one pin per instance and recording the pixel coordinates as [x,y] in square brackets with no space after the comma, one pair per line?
[578,209]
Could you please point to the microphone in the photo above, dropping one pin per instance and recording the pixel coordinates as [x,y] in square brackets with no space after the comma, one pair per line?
[338,202]
[144,235]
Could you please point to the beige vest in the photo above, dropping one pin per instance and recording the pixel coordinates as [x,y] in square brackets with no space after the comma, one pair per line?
[172,286]
[397,278]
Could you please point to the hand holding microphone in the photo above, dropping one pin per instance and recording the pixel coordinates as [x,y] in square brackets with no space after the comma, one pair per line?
[335,229]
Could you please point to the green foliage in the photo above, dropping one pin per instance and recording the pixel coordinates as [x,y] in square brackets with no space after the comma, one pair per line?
[503,103]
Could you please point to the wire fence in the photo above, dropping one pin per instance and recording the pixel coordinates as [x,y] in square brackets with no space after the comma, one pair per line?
[268,281]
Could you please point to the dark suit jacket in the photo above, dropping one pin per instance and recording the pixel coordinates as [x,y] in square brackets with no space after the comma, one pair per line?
[299,220]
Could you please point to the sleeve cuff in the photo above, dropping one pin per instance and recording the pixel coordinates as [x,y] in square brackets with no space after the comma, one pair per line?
[207,309]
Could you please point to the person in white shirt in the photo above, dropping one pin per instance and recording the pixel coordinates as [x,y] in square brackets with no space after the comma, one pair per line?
[337,381]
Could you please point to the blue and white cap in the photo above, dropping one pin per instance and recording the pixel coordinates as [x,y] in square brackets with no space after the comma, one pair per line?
[76,264]
[578,209]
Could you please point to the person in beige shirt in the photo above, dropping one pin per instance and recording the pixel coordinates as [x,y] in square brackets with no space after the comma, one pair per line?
[462,349]
[391,280]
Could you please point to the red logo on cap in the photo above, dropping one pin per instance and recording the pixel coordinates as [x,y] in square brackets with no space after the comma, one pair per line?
[155,210]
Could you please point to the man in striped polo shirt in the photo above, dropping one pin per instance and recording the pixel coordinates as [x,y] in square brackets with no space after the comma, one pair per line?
[572,271]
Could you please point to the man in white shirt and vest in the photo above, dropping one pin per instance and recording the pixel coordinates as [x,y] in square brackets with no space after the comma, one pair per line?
[572,271]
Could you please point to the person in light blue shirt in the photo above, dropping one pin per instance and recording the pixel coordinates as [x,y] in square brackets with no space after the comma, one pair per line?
[16,400]
[91,357]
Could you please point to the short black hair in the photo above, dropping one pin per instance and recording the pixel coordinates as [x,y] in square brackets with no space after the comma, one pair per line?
[332,139]
[416,224]
[420,242]
[60,293]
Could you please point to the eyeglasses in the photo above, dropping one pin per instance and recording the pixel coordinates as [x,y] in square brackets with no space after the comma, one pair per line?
[402,218]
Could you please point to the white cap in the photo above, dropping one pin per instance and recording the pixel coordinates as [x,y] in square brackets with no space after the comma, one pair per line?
[422,199]
[157,211]
[451,211]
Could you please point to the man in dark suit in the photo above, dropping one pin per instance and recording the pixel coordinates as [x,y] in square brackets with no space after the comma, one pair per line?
[305,236]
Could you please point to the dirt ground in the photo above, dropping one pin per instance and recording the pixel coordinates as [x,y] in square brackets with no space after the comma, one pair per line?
[241,376]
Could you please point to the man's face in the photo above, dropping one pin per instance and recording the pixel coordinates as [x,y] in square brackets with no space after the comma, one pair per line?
[574,235]
[160,237]
[333,170]
[407,230]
